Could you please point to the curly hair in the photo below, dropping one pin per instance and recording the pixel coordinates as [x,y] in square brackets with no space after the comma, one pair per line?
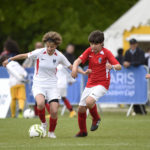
[52,37]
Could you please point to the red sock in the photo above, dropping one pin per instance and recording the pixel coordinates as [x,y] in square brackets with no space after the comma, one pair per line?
[47,107]
[94,114]
[82,122]
[67,103]
[53,123]
[41,114]
[35,110]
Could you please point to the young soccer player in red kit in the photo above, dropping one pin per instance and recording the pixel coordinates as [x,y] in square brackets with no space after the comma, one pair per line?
[101,61]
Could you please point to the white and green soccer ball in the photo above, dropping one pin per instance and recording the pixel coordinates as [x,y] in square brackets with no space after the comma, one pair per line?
[36,130]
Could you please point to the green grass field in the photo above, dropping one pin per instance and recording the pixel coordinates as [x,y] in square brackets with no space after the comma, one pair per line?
[116,132]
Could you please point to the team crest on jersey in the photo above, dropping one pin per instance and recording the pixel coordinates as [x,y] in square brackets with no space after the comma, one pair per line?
[100,60]
[54,61]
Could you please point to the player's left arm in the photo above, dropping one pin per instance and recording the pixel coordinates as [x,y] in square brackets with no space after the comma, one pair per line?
[114,64]
[76,69]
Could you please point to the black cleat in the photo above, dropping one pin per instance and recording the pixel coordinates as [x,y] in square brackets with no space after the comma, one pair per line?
[95,126]
[81,134]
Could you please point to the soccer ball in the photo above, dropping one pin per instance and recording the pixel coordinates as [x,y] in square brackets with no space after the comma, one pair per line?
[28,113]
[36,130]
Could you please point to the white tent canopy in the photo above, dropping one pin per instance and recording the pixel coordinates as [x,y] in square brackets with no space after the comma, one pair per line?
[138,15]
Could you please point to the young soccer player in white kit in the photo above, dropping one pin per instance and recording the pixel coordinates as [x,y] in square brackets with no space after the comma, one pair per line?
[45,80]
[98,79]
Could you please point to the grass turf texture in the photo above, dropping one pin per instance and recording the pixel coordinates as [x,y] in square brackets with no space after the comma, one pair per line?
[116,132]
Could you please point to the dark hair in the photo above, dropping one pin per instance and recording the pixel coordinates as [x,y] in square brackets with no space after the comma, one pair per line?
[52,37]
[11,46]
[133,41]
[120,51]
[96,37]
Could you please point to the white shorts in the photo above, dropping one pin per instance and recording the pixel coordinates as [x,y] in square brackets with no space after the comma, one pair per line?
[62,92]
[96,92]
[49,93]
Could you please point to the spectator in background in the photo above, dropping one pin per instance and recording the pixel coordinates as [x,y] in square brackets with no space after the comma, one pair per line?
[28,63]
[17,75]
[135,57]
[120,56]
[10,49]
[147,58]
[70,53]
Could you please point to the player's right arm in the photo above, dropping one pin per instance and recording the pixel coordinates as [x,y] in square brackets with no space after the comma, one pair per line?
[17,57]
[82,59]
[33,55]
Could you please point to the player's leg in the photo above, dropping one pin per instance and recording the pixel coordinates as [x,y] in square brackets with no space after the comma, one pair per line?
[95,94]
[82,114]
[47,106]
[69,107]
[90,101]
[21,97]
[40,100]
[53,97]
[54,105]
[13,108]
[13,101]
[82,122]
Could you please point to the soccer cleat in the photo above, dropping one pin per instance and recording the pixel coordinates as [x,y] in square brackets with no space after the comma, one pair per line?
[44,125]
[95,125]
[20,115]
[51,135]
[81,134]
[72,114]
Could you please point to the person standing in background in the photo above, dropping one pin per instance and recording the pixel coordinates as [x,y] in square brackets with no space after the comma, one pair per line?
[135,57]
[120,56]
[69,53]
[17,79]
[10,49]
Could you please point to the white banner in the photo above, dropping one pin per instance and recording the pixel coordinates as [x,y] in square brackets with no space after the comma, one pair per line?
[5,98]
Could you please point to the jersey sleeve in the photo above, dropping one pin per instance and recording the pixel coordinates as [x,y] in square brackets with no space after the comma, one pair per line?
[34,54]
[85,55]
[64,61]
[112,60]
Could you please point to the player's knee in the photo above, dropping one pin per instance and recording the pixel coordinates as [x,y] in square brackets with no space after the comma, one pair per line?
[40,105]
[90,104]
[54,112]
[82,109]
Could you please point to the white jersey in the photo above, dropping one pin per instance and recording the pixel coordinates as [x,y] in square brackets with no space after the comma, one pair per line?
[16,73]
[64,77]
[46,67]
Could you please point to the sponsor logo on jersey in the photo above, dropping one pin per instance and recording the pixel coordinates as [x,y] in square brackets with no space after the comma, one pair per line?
[100,60]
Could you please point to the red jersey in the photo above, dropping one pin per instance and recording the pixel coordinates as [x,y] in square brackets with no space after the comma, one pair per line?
[97,63]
